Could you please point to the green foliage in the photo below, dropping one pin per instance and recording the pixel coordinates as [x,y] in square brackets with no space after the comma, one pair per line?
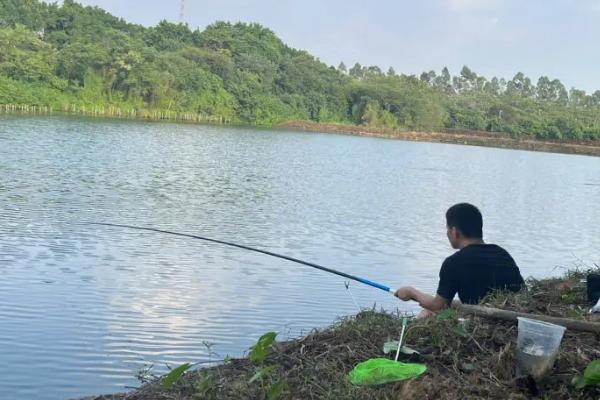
[258,355]
[262,373]
[203,385]
[447,314]
[70,56]
[392,346]
[26,57]
[30,13]
[591,375]
[261,349]
[174,375]
[396,101]
[276,390]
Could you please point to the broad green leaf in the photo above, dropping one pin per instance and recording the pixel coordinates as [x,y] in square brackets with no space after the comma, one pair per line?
[408,351]
[275,391]
[391,346]
[260,350]
[591,375]
[262,372]
[388,347]
[174,375]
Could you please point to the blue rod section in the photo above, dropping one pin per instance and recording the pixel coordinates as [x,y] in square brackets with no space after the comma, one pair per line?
[375,284]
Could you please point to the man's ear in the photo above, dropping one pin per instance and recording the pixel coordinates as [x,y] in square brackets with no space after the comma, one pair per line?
[457,234]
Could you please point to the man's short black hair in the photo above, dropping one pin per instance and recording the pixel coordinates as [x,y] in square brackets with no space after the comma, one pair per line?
[467,219]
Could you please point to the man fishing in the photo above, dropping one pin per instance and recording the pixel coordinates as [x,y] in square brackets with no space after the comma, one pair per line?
[473,271]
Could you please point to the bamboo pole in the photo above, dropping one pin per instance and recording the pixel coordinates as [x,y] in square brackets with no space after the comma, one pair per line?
[506,315]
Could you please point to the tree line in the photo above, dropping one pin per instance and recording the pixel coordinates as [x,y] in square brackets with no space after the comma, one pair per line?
[52,55]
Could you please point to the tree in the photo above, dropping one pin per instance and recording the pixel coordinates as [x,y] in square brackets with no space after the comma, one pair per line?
[428,77]
[520,85]
[444,82]
[493,87]
[551,91]
[357,71]
[24,56]
[374,70]
[578,98]
[29,13]
[595,98]
[168,36]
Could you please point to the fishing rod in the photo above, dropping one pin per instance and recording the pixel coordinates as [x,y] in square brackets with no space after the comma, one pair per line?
[269,253]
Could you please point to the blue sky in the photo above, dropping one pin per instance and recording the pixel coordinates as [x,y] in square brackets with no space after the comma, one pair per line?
[558,38]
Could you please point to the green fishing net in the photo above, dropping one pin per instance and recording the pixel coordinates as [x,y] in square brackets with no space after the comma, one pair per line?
[377,371]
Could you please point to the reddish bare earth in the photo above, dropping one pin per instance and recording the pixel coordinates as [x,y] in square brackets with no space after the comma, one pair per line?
[475,138]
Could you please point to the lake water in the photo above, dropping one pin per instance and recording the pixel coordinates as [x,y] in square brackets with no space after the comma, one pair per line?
[83,308]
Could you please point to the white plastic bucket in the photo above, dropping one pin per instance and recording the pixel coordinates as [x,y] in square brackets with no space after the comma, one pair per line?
[538,344]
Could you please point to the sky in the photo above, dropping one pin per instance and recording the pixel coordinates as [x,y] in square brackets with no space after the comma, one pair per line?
[556,38]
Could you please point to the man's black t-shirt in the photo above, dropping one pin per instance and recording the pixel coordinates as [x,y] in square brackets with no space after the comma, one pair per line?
[476,270]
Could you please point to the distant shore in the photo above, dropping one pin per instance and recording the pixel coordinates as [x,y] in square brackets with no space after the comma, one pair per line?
[473,138]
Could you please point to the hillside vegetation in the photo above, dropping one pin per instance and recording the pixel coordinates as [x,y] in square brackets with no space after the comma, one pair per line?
[69,57]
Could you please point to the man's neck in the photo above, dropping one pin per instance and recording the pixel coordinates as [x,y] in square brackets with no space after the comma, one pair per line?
[466,242]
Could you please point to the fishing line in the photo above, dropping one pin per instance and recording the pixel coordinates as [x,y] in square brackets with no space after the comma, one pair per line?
[347,285]
[269,253]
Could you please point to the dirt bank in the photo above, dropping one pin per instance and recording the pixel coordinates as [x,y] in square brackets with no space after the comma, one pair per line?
[475,138]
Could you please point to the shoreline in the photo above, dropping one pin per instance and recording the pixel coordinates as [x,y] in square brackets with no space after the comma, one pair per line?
[467,355]
[472,138]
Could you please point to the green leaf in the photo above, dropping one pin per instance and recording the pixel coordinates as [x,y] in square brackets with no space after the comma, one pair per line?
[388,347]
[449,313]
[227,359]
[408,351]
[391,346]
[276,390]
[578,382]
[203,386]
[174,375]
[591,375]
[260,350]
[262,373]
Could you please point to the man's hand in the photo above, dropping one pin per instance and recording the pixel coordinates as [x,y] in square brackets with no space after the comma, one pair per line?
[426,301]
[404,293]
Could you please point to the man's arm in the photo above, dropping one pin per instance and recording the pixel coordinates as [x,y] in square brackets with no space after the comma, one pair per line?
[447,289]
[426,301]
